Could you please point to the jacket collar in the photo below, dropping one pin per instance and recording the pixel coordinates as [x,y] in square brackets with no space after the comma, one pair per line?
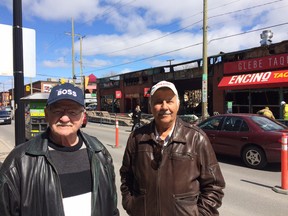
[39,145]
[177,135]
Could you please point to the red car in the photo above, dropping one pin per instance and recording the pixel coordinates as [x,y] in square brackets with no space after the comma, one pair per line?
[254,138]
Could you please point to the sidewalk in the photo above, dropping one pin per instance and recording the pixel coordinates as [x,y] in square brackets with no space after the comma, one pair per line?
[4,150]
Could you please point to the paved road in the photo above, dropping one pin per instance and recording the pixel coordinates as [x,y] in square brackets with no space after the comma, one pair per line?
[248,192]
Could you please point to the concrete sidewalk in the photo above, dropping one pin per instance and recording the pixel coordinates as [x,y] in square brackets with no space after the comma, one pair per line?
[4,150]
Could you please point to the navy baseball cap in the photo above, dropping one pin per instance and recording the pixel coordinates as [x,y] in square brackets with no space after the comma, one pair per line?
[66,91]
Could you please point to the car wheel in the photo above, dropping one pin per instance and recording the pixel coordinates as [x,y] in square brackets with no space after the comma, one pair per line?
[254,157]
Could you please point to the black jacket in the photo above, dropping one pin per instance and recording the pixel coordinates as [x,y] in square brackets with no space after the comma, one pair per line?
[136,117]
[30,185]
[188,181]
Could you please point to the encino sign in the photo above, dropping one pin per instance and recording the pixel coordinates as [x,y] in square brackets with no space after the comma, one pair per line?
[255,80]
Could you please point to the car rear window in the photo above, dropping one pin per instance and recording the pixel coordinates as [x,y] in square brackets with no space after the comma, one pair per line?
[267,124]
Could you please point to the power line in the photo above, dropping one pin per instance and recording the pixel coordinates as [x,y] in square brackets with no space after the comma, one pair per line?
[179,49]
[186,47]
[188,26]
[181,29]
[176,31]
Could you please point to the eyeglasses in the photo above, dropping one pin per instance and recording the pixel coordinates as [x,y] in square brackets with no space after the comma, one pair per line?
[157,154]
[72,113]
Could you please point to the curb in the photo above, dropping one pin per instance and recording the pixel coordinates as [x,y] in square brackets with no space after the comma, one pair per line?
[278,189]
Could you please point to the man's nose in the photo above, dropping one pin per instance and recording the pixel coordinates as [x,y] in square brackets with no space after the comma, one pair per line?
[65,117]
[164,104]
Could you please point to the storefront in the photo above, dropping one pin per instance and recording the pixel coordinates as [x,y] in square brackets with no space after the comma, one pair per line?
[252,84]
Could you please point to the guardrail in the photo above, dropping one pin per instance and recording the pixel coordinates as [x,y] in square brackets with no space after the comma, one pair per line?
[104,117]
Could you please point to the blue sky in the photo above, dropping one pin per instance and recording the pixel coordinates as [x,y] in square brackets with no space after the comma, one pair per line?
[121,36]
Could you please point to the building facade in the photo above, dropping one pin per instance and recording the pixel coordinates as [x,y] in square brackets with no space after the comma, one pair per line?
[243,81]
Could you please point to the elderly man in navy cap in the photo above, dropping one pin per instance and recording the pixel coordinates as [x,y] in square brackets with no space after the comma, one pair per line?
[169,167]
[63,171]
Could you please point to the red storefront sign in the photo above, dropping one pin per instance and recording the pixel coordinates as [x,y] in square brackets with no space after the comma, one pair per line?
[255,80]
[146,92]
[118,94]
[257,64]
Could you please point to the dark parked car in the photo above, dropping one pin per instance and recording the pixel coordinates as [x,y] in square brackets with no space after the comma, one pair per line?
[5,117]
[91,107]
[254,138]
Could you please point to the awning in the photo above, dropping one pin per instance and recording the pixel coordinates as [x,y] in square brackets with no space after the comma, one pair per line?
[268,79]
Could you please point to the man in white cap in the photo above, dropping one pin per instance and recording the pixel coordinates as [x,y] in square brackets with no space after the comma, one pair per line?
[169,167]
[61,172]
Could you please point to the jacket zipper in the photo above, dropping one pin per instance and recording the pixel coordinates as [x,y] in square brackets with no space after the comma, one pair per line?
[158,184]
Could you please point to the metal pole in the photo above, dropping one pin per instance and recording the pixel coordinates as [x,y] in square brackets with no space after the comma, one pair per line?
[204,66]
[73,58]
[31,86]
[81,60]
[81,68]
[18,72]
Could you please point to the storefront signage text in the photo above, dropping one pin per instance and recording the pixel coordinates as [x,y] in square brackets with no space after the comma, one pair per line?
[249,78]
[256,64]
[255,80]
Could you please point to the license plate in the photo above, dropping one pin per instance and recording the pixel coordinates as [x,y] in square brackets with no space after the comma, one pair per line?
[1,120]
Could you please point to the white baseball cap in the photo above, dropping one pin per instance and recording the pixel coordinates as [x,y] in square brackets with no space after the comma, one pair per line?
[283,102]
[163,84]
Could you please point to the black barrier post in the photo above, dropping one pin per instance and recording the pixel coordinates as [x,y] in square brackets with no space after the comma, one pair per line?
[18,72]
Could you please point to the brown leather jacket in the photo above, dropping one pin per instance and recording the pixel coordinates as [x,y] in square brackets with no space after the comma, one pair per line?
[188,182]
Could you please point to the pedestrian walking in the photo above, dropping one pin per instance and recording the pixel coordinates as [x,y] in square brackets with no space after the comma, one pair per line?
[136,117]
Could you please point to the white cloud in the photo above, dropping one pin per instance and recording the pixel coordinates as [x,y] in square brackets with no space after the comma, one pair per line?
[119,32]
[59,63]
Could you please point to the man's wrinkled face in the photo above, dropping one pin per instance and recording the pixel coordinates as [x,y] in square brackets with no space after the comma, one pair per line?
[164,106]
[65,117]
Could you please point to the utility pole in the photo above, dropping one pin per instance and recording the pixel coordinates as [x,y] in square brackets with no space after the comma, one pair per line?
[171,68]
[81,61]
[18,72]
[73,58]
[204,66]
[170,60]
[31,86]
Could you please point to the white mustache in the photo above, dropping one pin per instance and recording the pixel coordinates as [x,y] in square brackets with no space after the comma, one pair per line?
[61,124]
[165,113]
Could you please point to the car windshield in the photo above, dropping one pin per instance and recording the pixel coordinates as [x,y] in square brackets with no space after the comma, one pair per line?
[267,124]
[2,113]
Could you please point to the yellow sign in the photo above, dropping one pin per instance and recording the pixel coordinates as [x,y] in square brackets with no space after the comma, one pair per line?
[37,112]
[62,80]
[28,88]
